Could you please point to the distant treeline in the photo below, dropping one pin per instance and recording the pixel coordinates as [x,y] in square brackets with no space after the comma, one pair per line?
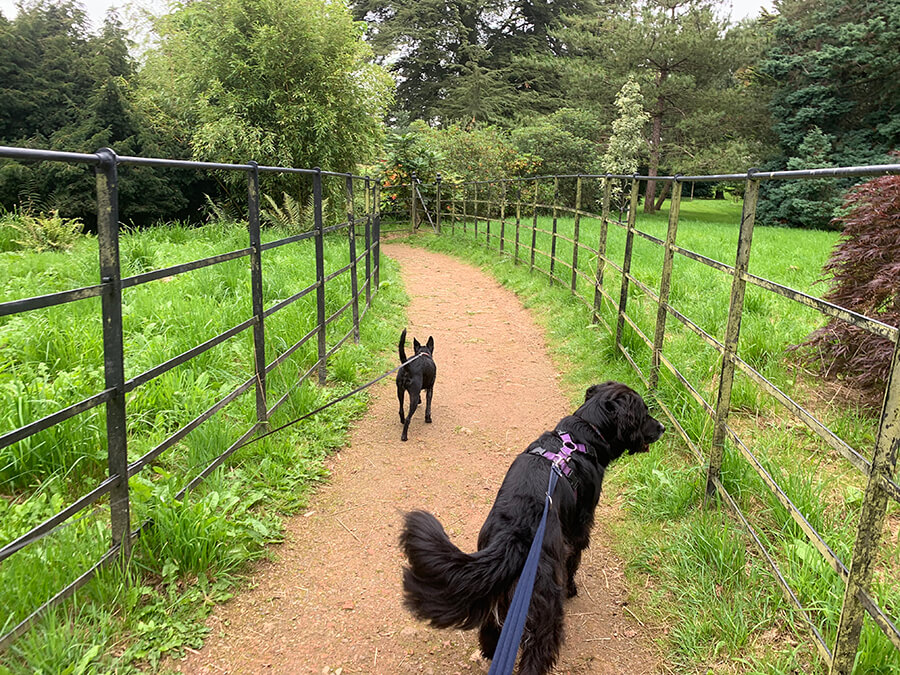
[482,89]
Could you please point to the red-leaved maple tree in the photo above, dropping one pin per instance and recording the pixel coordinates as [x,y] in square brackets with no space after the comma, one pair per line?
[865,277]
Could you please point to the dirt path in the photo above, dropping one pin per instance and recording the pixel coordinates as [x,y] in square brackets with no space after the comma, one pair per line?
[330,600]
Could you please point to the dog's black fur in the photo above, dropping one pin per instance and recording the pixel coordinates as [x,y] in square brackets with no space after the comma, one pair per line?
[415,377]
[452,589]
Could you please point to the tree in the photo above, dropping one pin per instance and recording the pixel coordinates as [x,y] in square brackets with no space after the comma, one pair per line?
[69,90]
[455,59]
[833,67]
[691,66]
[282,82]
[627,146]
[863,272]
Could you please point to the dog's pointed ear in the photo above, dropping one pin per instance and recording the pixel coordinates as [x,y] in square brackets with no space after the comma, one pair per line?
[430,344]
[416,344]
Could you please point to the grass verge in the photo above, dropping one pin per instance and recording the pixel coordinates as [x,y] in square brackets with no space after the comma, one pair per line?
[194,553]
[695,573]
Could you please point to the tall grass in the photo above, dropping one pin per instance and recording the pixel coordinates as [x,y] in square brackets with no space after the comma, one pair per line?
[197,546]
[705,583]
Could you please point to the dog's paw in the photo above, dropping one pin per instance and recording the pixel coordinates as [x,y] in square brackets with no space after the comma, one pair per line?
[403,437]
[428,419]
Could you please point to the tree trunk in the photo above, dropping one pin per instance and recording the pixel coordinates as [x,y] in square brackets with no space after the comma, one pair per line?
[662,196]
[655,141]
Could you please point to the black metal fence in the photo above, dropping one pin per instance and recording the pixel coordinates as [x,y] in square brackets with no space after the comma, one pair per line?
[110,289]
[504,214]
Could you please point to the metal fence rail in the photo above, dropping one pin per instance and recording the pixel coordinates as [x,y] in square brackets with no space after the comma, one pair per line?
[485,203]
[110,288]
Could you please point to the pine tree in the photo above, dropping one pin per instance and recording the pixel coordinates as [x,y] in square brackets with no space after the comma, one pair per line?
[833,67]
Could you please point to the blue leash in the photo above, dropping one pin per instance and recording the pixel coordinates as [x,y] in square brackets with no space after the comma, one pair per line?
[514,625]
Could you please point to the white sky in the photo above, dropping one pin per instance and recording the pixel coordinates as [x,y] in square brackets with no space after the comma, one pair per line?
[97,8]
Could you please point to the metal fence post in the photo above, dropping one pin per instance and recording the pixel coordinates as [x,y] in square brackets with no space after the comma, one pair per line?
[354,280]
[871,524]
[465,189]
[553,229]
[626,261]
[665,282]
[575,234]
[368,240]
[534,224]
[475,209]
[502,213]
[256,292]
[412,202]
[518,220]
[732,333]
[320,273]
[601,249]
[113,348]
[487,224]
[437,203]
[376,235]
[452,211]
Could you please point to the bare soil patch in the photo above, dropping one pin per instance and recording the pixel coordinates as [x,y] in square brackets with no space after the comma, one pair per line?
[329,601]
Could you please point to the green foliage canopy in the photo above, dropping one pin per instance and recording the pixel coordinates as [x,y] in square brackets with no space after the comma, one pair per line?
[283,82]
[833,70]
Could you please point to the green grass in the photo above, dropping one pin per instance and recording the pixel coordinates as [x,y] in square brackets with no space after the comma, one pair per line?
[706,585]
[194,552]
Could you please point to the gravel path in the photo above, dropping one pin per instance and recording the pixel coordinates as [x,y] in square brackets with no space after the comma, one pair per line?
[330,602]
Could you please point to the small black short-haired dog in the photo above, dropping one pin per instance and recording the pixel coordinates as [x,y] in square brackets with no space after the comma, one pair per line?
[452,589]
[415,377]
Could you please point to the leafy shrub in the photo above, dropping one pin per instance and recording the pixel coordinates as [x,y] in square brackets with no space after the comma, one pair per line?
[864,266]
[460,153]
[49,232]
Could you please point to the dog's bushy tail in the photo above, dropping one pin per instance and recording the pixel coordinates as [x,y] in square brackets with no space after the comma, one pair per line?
[402,346]
[447,587]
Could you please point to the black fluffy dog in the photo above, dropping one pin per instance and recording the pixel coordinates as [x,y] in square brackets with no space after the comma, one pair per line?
[452,589]
[415,377]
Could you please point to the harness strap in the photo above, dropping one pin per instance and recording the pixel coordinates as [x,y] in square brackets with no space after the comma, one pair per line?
[562,456]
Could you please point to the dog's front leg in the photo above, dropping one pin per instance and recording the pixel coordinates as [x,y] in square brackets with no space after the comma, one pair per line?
[428,393]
